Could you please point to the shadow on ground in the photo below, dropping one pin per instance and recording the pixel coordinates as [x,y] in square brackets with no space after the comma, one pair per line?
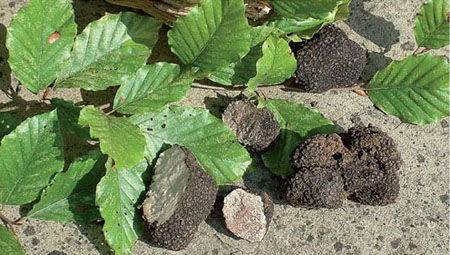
[375,29]
[5,71]
[93,232]
[87,11]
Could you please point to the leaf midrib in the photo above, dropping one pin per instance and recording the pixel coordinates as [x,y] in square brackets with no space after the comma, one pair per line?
[27,165]
[212,35]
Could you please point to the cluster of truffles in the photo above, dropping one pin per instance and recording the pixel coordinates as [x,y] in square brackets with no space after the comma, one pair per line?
[361,165]
[328,60]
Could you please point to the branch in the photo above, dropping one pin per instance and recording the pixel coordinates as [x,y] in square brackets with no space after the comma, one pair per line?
[10,224]
[359,86]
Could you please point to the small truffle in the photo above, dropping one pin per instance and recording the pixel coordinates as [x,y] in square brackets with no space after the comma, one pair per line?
[328,60]
[316,187]
[181,196]
[248,213]
[379,152]
[255,128]
[319,151]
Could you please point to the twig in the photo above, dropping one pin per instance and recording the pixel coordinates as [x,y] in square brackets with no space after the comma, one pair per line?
[211,87]
[111,112]
[103,106]
[10,224]
[415,51]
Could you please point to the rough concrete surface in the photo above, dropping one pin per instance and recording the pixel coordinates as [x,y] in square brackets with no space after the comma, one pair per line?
[417,224]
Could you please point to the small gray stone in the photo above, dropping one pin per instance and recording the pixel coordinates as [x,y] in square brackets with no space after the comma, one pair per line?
[248,214]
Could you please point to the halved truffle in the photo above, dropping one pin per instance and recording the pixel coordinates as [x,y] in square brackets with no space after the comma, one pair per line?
[255,128]
[181,196]
[248,213]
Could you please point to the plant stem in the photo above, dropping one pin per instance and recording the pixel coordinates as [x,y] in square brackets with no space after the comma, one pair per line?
[282,87]
[10,224]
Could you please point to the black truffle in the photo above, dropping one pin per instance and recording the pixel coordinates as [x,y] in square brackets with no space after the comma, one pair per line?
[255,128]
[319,151]
[328,60]
[365,161]
[183,198]
[379,152]
[316,187]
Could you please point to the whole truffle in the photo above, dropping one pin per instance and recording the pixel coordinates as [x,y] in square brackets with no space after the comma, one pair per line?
[379,151]
[181,196]
[319,151]
[328,60]
[248,213]
[255,128]
[361,173]
[316,187]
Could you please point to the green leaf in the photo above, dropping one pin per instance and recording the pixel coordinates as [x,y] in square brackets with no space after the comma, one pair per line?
[276,65]
[8,243]
[343,10]
[305,18]
[7,124]
[211,36]
[102,55]
[303,10]
[119,138]
[68,115]
[241,71]
[415,89]
[297,124]
[142,29]
[152,87]
[432,25]
[39,39]
[212,143]
[29,157]
[304,28]
[71,195]
[118,194]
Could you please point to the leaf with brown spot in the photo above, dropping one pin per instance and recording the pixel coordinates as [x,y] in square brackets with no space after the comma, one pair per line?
[53,37]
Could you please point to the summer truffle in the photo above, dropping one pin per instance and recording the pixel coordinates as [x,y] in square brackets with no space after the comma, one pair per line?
[255,128]
[319,151]
[370,144]
[181,196]
[316,187]
[328,60]
[362,165]
[248,213]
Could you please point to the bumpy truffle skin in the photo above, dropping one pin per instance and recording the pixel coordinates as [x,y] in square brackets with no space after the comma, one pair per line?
[361,173]
[372,143]
[255,128]
[319,151]
[316,187]
[195,206]
[328,60]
